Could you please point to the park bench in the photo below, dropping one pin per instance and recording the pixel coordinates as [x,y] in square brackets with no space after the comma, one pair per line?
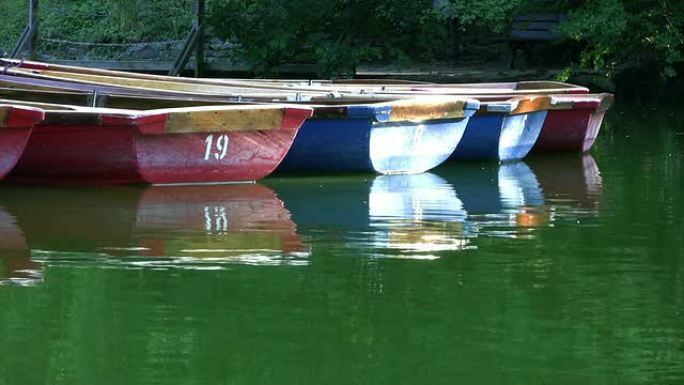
[533,28]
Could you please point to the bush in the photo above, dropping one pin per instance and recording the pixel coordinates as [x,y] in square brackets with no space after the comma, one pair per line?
[335,34]
[627,33]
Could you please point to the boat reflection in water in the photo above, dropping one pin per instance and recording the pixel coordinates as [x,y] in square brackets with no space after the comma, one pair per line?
[246,223]
[161,226]
[572,185]
[421,216]
[513,199]
[397,216]
[16,266]
[416,213]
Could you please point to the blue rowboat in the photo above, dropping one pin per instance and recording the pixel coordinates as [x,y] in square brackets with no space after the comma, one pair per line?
[401,136]
[504,130]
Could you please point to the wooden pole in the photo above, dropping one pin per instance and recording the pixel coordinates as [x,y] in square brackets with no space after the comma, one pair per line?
[199,47]
[33,23]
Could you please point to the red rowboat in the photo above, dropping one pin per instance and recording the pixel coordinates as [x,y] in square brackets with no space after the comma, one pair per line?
[166,146]
[16,124]
[573,129]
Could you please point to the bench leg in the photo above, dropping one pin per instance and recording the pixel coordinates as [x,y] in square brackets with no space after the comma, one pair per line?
[514,48]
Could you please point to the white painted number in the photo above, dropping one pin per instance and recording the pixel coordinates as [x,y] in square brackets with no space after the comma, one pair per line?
[215,220]
[221,147]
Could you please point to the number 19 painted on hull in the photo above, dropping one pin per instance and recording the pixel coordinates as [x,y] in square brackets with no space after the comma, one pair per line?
[221,147]
[179,145]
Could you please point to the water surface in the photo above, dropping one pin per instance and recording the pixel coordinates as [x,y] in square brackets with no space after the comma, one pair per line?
[562,269]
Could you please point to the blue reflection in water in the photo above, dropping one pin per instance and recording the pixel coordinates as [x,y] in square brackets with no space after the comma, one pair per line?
[388,215]
[513,199]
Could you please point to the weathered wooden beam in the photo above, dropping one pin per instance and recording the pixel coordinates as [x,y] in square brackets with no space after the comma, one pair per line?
[21,44]
[33,22]
[182,59]
[30,34]
[199,47]
[194,43]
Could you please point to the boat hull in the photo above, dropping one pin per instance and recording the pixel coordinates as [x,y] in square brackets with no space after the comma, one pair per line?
[500,136]
[16,126]
[362,145]
[12,144]
[120,150]
[570,130]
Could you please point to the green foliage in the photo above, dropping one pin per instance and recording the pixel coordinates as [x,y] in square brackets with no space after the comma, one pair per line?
[99,21]
[335,34]
[14,14]
[628,33]
[115,21]
[492,14]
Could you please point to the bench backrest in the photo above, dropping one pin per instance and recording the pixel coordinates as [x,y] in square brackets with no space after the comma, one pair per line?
[536,27]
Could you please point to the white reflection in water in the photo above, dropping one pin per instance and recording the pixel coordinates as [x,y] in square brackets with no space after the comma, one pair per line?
[248,257]
[416,213]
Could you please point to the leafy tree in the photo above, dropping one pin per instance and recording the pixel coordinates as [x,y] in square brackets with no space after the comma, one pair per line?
[335,34]
[627,33]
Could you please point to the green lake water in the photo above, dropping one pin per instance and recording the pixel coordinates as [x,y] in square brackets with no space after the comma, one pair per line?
[562,269]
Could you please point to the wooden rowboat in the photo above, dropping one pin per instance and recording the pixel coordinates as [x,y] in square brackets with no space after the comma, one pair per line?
[396,136]
[503,135]
[503,130]
[166,146]
[402,136]
[574,129]
[16,125]
[357,86]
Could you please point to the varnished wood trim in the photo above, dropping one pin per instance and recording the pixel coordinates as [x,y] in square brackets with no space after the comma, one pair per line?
[219,119]
[4,113]
[222,86]
[167,84]
[532,104]
[425,108]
